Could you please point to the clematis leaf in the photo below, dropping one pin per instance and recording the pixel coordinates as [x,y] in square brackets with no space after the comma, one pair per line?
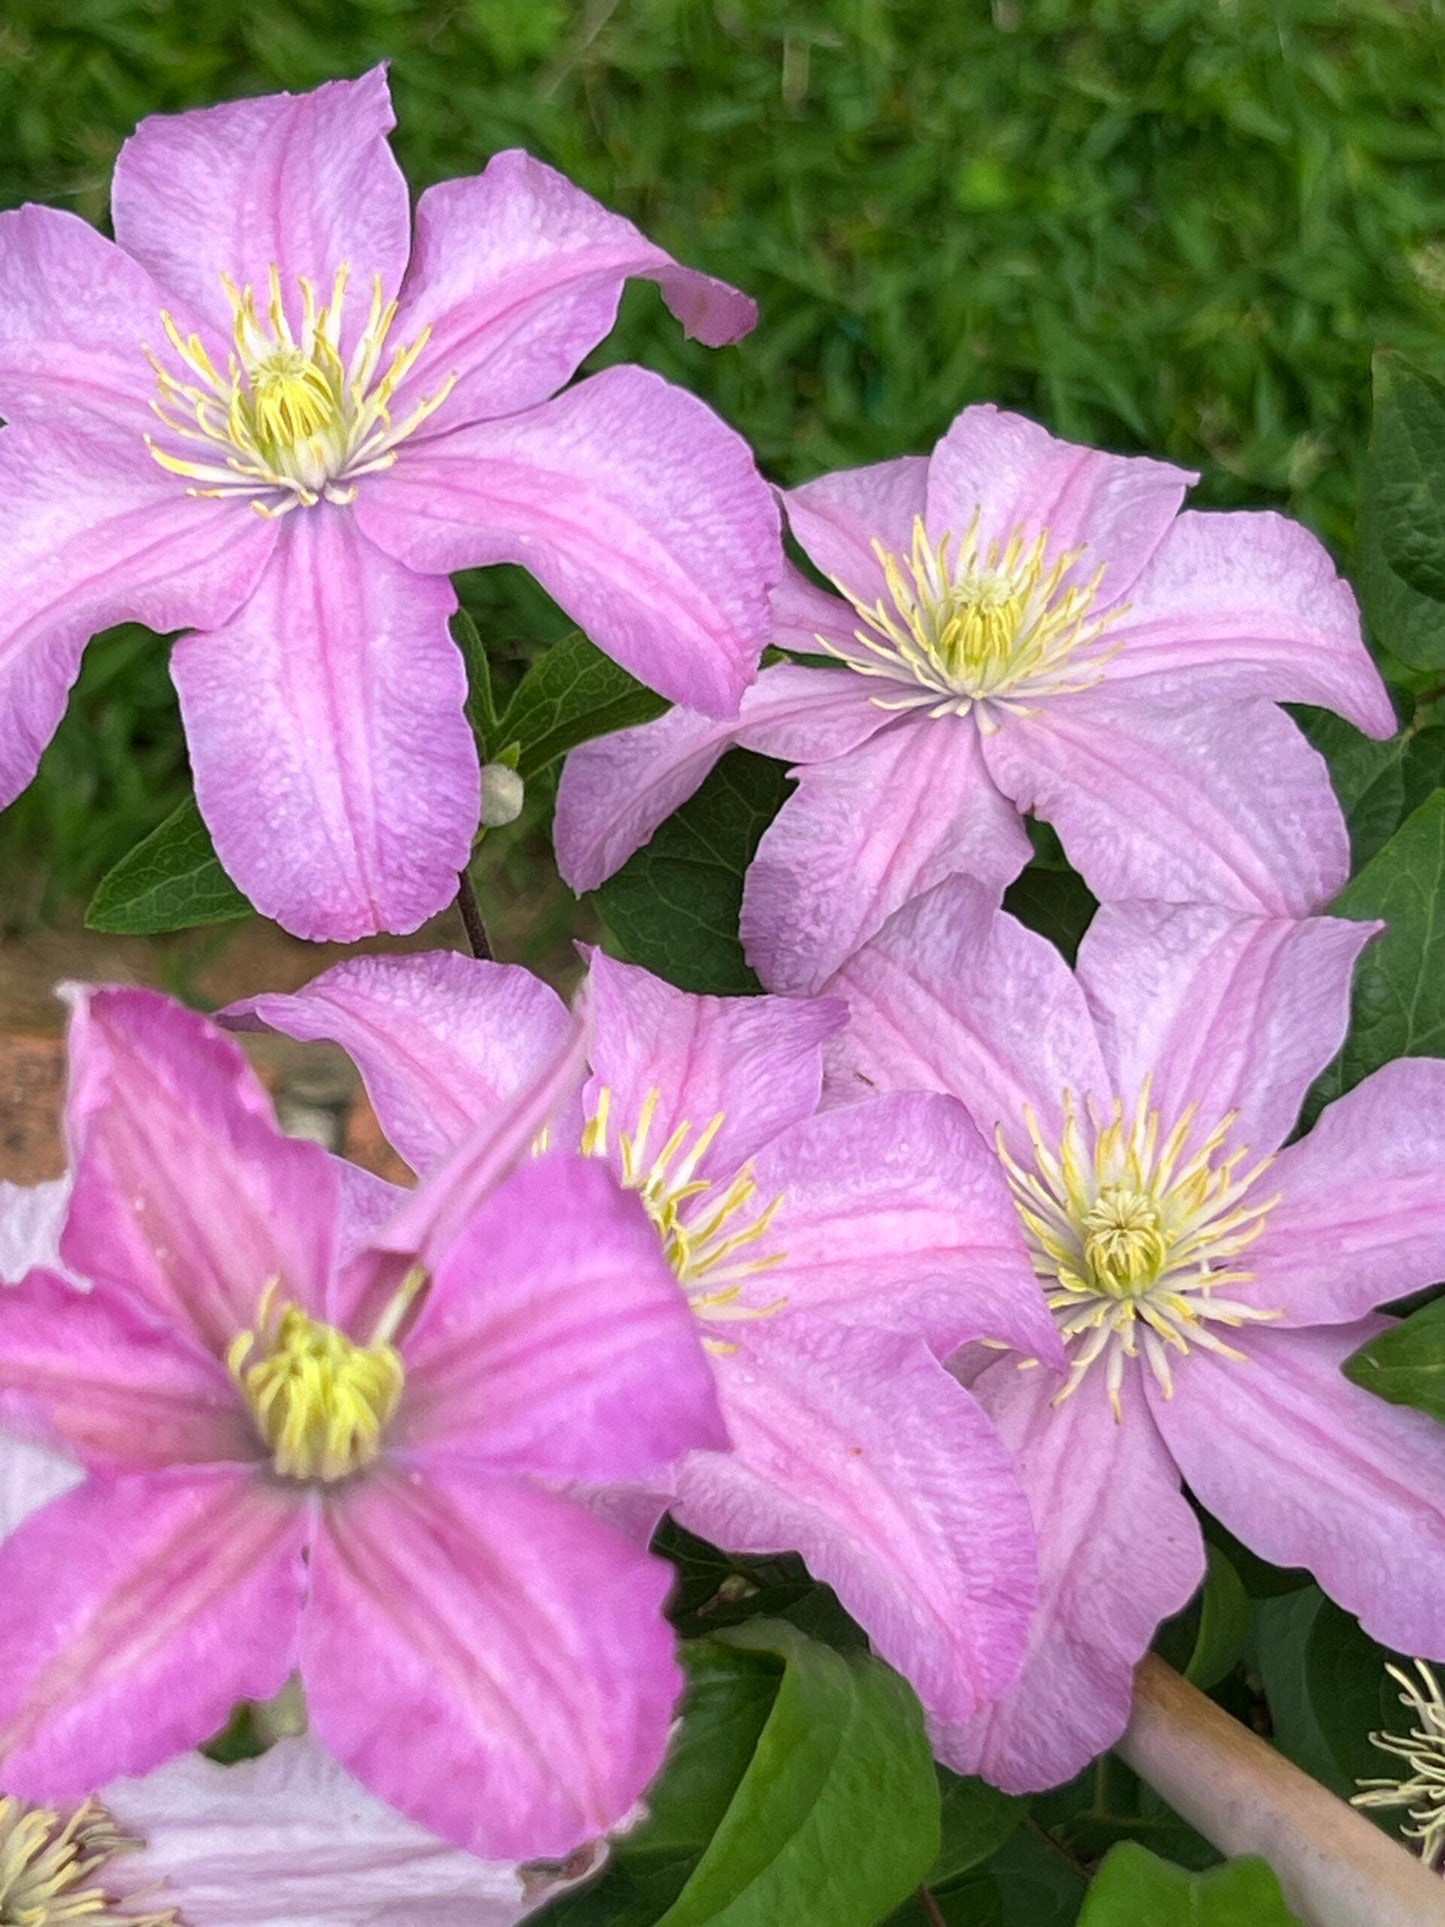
[1406,1364]
[674,906]
[1402,531]
[569,695]
[1207,1640]
[171,880]
[481,704]
[1054,901]
[1378,784]
[1134,1886]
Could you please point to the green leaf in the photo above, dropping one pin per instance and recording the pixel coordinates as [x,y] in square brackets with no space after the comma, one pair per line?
[1207,1640]
[977,1819]
[569,695]
[1055,902]
[481,706]
[1406,1364]
[1378,784]
[171,880]
[1134,1888]
[674,906]
[1406,478]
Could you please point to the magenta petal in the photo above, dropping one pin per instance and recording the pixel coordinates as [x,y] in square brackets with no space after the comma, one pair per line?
[633,505]
[1229,1013]
[862,835]
[1248,604]
[1309,1470]
[555,1340]
[954,995]
[520,1677]
[1119,1551]
[306,182]
[838,518]
[439,1038]
[1193,803]
[855,1448]
[179,1594]
[517,275]
[334,764]
[187,1199]
[895,1212]
[1361,1212]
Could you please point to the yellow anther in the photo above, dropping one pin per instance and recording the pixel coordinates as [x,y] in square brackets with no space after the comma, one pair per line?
[52,1870]
[1124,1246]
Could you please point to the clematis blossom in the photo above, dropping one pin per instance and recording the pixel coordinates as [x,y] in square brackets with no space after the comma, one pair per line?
[1021,626]
[302,1459]
[1207,1284]
[830,1258]
[267,415]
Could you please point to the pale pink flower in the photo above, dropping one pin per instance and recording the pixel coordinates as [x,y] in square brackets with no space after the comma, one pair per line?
[302,1456]
[831,1258]
[256,339]
[1207,1283]
[1023,626]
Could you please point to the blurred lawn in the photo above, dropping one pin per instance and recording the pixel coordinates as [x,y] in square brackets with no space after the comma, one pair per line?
[1178,226]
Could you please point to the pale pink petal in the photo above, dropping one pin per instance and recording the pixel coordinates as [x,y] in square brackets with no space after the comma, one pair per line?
[855,1448]
[30,1477]
[1233,1014]
[864,834]
[179,1594]
[1310,1470]
[440,1039]
[517,274]
[895,1211]
[31,1219]
[957,996]
[554,1339]
[187,1198]
[367,1205]
[88,1373]
[304,182]
[1192,803]
[520,1678]
[92,534]
[1119,1551]
[838,518]
[806,618]
[757,1062]
[1017,478]
[334,764]
[1248,604]
[1361,1212]
[633,505]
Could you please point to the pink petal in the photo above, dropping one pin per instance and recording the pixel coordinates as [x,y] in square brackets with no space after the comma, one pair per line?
[520,1674]
[805,616]
[896,1212]
[631,503]
[864,834]
[31,1477]
[304,182]
[92,534]
[1192,803]
[1309,1470]
[334,764]
[838,518]
[1248,605]
[855,1448]
[1119,1551]
[367,1205]
[1229,1013]
[179,1594]
[86,1372]
[1016,477]
[554,1339]
[1361,1216]
[757,1061]
[517,274]
[187,1198]
[439,1038]
[954,995]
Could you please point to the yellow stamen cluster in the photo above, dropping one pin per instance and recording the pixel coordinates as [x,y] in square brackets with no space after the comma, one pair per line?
[1135,1231]
[1421,1790]
[965,624]
[705,1230]
[51,1869]
[290,421]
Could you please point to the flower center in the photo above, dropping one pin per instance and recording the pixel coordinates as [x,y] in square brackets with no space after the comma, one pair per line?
[709,1231]
[290,422]
[49,1868]
[1134,1239]
[963,624]
[320,1402]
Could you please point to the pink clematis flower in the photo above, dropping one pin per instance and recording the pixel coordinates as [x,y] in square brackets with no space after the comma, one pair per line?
[252,417]
[1206,1283]
[831,1259]
[301,1455]
[1023,625]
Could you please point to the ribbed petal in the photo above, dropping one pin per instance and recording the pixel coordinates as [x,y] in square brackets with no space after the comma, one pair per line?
[838,518]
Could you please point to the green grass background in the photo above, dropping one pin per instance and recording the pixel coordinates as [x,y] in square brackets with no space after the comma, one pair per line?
[1174,225]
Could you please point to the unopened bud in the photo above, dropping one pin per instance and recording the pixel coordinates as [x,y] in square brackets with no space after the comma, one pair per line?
[503,794]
